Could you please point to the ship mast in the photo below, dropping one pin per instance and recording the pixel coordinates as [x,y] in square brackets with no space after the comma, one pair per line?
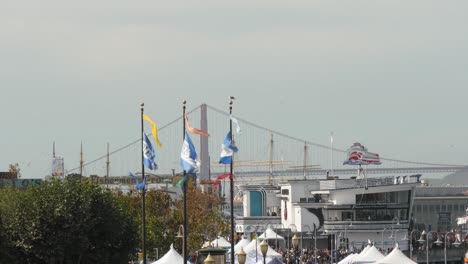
[81,160]
[270,179]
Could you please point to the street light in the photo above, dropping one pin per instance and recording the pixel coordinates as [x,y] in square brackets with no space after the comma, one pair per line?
[209,260]
[421,240]
[256,239]
[289,228]
[276,231]
[383,246]
[241,256]
[410,239]
[346,225]
[295,241]
[181,234]
[456,243]
[393,224]
[264,249]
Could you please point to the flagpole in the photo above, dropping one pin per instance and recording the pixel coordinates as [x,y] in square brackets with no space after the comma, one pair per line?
[184,188]
[143,191]
[232,184]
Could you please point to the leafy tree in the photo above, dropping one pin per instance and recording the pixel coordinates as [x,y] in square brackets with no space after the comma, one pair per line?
[14,167]
[65,222]
[164,216]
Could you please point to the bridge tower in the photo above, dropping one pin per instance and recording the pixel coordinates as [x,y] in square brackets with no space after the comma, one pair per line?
[204,155]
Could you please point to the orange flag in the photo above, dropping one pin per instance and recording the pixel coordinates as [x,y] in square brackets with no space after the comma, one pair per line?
[194,130]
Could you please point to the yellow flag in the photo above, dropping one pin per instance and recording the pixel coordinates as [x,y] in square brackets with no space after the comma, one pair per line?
[154,129]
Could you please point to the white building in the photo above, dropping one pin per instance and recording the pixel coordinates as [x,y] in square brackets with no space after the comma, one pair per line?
[350,210]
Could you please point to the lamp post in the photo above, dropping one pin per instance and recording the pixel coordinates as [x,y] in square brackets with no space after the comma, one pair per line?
[289,228]
[181,234]
[393,224]
[410,241]
[256,239]
[264,249]
[315,243]
[421,240]
[346,225]
[241,256]
[295,241]
[383,247]
[310,233]
[445,244]
[276,230]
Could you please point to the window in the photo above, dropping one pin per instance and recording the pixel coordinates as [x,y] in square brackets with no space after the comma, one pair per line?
[284,191]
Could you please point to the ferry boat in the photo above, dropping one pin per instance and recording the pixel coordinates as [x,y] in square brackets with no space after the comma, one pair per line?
[359,155]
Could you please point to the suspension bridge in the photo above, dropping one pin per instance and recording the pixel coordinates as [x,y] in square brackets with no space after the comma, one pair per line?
[265,155]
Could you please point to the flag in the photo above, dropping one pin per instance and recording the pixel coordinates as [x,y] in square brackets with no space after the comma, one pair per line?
[285,211]
[194,130]
[138,185]
[238,129]
[188,156]
[149,154]
[181,182]
[154,129]
[227,150]
[216,182]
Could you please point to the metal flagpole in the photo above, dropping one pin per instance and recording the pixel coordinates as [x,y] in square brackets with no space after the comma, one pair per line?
[232,183]
[143,191]
[185,192]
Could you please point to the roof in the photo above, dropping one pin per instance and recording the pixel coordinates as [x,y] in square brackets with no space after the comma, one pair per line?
[440,191]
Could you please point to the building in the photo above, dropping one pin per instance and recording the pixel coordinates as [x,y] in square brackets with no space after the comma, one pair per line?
[339,212]
[437,208]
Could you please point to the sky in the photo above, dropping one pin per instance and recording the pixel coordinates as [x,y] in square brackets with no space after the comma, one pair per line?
[390,74]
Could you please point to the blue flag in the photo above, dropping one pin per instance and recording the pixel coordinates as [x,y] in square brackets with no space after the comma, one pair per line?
[227,150]
[188,156]
[138,185]
[149,155]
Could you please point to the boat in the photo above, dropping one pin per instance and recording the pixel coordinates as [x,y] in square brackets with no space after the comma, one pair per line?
[357,154]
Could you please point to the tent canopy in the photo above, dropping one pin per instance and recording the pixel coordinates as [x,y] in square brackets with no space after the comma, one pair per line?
[219,242]
[348,259]
[241,244]
[170,257]
[270,234]
[396,256]
[370,256]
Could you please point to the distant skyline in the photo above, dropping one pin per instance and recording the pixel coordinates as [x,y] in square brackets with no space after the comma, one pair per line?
[389,74]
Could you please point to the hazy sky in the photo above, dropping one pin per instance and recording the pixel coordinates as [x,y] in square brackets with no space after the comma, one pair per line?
[391,74]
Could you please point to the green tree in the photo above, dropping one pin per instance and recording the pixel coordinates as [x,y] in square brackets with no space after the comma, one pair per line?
[66,222]
[14,167]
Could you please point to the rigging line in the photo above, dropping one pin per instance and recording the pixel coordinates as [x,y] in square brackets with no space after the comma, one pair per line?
[132,143]
[323,146]
[275,132]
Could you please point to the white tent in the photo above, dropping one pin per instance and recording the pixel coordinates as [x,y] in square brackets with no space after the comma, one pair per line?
[251,249]
[170,257]
[370,256]
[219,242]
[241,244]
[396,256]
[348,259]
[270,234]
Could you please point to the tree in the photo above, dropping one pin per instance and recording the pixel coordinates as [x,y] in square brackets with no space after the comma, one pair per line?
[66,222]
[14,167]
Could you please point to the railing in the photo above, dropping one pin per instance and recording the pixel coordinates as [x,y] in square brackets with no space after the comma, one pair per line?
[437,255]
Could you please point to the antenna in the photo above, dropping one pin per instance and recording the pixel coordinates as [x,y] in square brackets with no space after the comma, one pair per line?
[107,167]
[53,150]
